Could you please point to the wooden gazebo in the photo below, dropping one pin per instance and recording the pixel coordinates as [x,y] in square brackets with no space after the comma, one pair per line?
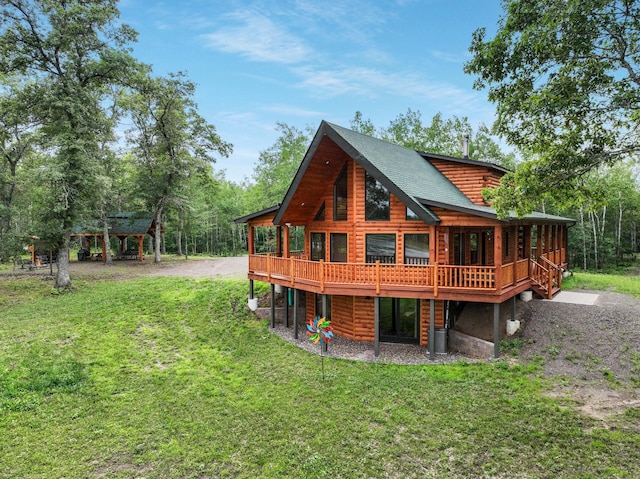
[123,225]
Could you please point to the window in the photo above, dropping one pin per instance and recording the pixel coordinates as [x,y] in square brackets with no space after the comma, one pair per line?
[319,306]
[340,190]
[377,200]
[320,213]
[416,249]
[505,244]
[318,246]
[339,247]
[399,320]
[381,247]
[473,247]
[411,216]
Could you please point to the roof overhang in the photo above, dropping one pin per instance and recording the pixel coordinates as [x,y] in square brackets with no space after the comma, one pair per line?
[257,214]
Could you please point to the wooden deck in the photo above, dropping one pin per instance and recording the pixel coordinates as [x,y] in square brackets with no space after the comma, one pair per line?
[464,283]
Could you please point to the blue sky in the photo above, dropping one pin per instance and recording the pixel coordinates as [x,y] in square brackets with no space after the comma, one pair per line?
[257,63]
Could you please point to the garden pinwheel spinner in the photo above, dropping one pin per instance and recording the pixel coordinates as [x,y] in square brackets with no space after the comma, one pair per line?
[320,332]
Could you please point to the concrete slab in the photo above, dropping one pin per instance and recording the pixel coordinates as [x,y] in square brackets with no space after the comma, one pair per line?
[574,297]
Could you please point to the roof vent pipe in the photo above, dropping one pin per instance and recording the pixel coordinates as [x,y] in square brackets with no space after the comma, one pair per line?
[465,146]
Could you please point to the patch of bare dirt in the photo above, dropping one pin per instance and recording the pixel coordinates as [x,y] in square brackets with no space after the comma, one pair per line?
[592,351]
[194,267]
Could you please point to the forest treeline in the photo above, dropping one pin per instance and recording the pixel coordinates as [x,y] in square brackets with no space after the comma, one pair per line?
[69,88]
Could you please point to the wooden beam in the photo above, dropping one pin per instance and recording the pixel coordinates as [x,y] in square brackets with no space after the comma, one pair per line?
[251,239]
[286,248]
[497,256]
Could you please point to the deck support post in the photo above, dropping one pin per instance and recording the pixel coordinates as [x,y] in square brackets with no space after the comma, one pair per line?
[251,289]
[324,315]
[285,292]
[376,326]
[513,308]
[295,313]
[273,305]
[496,330]
[432,329]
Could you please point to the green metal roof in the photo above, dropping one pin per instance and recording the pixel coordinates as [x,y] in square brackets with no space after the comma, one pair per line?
[405,173]
[123,224]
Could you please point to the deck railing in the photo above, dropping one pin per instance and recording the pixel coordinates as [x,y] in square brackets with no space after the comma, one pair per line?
[379,275]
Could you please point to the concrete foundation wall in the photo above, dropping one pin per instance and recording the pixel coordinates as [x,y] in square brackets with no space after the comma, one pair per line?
[469,345]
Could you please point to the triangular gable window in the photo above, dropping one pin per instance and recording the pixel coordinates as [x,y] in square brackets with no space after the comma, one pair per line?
[320,213]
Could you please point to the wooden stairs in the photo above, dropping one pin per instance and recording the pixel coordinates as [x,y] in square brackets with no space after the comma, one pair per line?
[546,277]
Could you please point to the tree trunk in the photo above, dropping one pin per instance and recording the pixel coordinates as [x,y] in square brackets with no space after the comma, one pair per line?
[186,246]
[158,220]
[179,242]
[151,248]
[63,280]
[619,230]
[595,238]
[584,241]
[107,250]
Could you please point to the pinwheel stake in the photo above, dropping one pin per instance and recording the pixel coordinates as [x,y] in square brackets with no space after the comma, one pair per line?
[320,332]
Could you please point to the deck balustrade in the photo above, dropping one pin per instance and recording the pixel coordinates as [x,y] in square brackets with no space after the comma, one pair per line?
[375,276]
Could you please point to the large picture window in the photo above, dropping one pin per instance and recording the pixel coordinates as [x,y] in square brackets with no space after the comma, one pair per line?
[381,247]
[416,249]
[318,246]
[377,200]
[340,196]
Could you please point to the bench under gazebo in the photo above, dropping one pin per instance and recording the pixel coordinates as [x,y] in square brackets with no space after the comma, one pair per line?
[123,226]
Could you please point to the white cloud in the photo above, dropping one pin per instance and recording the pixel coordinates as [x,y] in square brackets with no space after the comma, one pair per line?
[257,38]
[449,57]
[375,83]
[293,111]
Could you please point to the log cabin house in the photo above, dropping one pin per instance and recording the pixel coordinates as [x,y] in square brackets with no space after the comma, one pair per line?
[396,240]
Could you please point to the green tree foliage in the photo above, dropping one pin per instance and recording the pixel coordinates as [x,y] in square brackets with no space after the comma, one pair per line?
[71,52]
[278,165]
[565,78]
[607,211]
[442,136]
[17,140]
[173,144]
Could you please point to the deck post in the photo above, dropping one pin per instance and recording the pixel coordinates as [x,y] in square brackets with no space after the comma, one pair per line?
[324,315]
[513,308]
[295,313]
[496,330]
[285,291]
[269,268]
[251,289]
[432,329]
[273,305]
[376,326]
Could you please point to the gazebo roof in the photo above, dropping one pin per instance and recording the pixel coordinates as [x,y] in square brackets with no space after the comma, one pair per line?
[120,224]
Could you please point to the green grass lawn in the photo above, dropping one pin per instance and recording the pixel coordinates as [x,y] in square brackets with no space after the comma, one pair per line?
[172,378]
[619,283]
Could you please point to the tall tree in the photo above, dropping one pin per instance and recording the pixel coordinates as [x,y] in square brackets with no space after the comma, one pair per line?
[278,164]
[17,140]
[565,78]
[72,50]
[172,143]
